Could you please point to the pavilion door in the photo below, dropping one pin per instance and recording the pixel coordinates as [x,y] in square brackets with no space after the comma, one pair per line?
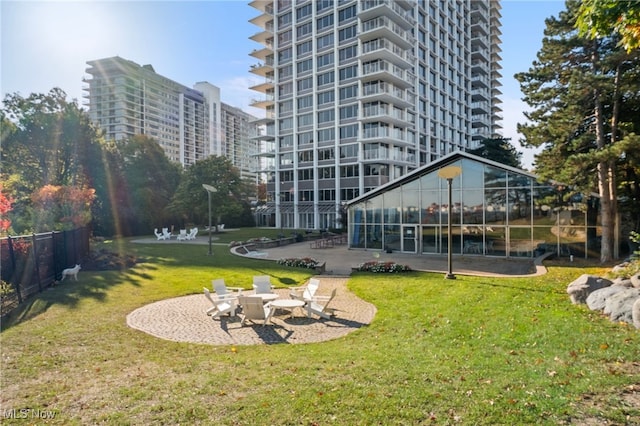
[410,238]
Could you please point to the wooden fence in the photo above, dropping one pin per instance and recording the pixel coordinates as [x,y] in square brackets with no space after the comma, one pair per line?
[31,263]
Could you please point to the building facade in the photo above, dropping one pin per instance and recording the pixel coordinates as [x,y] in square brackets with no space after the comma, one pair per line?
[238,140]
[358,93]
[190,124]
[496,210]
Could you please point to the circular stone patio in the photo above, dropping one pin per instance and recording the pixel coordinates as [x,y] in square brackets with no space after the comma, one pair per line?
[183,319]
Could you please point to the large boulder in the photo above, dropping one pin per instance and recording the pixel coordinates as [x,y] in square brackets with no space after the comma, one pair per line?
[625,282]
[635,280]
[635,314]
[584,285]
[597,299]
[620,267]
[619,307]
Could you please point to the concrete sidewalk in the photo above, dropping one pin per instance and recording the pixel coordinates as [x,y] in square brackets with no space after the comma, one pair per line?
[340,260]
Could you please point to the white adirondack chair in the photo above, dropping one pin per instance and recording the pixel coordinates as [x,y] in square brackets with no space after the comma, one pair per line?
[319,306]
[305,293]
[254,310]
[219,306]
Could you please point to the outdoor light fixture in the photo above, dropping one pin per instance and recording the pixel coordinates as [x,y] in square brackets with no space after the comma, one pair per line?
[449,173]
[209,190]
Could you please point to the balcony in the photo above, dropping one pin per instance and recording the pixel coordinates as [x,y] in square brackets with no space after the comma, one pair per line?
[263,68]
[382,48]
[479,94]
[387,71]
[479,107]
[263,87]
[388,93]
[264,102]
[383,27]
[262,54]
[479,27]
[478,52]
[387,134]
[478,80]
[388,114]
[386,156]
[263,36]
[262,20]
[389,8]
[263,6]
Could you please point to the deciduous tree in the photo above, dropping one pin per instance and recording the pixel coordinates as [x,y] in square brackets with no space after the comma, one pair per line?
[149,181]
[601,18]
[62,207]
[46,140]
[5,207]
[230,201]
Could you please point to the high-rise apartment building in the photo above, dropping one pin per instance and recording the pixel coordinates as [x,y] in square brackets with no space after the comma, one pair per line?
[359,92]
[238,143]
[190,124]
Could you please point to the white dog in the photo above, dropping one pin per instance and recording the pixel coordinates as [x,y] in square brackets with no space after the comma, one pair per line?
[71,272]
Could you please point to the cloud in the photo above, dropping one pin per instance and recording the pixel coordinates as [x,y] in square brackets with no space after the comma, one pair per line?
[235,92]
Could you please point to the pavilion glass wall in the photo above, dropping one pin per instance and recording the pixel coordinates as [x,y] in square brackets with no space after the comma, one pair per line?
[494,212]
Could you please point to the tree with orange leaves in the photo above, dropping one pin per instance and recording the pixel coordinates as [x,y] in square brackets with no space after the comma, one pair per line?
[5,207]
[62,207]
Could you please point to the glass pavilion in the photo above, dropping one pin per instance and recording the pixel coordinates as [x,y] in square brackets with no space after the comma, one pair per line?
[497,210]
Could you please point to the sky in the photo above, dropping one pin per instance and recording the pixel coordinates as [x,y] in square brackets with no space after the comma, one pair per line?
[46,44]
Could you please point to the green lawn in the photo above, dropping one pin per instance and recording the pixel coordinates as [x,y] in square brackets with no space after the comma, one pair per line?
[472,351]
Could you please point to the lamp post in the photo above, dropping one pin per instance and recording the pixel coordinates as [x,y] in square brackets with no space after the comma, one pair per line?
[449,173]
[209,190]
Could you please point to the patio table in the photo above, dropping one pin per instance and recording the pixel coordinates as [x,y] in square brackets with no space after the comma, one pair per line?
[266,297]
[285,304]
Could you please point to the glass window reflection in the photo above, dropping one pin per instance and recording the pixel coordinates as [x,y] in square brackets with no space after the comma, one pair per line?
[494,177]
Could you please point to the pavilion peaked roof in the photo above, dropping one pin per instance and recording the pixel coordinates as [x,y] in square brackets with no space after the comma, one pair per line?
[434,166]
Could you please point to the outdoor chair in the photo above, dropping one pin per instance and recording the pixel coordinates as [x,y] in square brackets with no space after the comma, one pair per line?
[192,234]
[219,306]
[166,233]
[305,293]
[262,284]
[254,310]
[182,236]
[222,291]
[471,247]
[319,306]
[159,235]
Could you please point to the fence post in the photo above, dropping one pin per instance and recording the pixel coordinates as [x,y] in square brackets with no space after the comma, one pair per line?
[35,261]
[12,255]
[54,258]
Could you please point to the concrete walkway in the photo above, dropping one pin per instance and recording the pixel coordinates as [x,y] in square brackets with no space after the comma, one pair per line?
[340,260]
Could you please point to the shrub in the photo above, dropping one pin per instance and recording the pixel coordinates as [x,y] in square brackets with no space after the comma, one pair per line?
[6,289]
[381,266]
[305,262]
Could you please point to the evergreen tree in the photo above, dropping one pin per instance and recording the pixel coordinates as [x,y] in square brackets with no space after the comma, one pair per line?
[499,150]
[582,92]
